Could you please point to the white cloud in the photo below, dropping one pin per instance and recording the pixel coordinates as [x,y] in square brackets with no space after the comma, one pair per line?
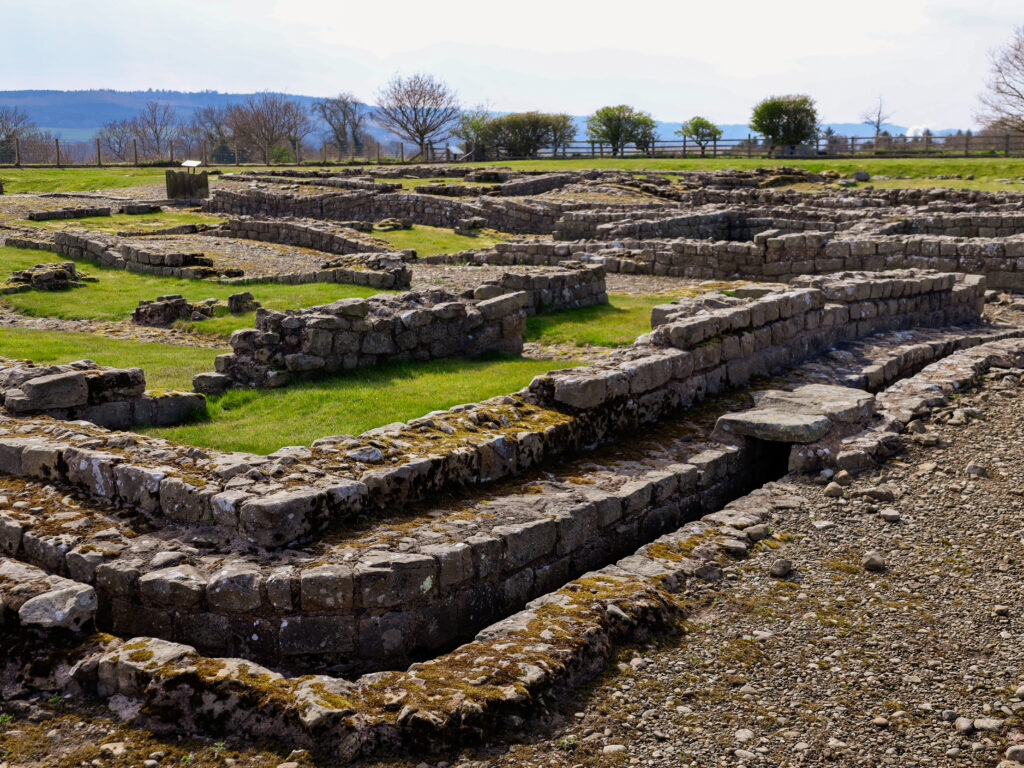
[926,57]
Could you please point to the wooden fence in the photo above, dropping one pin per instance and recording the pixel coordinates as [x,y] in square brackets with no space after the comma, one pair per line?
[91,154]
[964,145]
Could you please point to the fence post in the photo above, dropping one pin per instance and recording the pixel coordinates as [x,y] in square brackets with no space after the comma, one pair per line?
[1006,145]
[853,145]
[99,157]
[402,154]
[203,150]
[593,152]
[17,152]
[56,144]
[927,143]
[750,144]
[684,147]
[714,147]
[967,144]
[135,150]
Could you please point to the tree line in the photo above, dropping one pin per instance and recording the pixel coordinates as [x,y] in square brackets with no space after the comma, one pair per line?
[426,112]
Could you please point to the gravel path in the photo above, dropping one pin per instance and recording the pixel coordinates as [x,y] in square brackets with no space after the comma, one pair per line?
[124,330]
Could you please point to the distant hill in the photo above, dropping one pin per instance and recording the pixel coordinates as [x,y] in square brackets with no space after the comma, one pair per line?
[77,115]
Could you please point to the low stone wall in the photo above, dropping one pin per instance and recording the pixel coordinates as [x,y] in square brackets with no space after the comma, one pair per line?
[319,236]
[386,271]
[111,252]
[432,210]
[683,360]
[328,179]
[165,310]
[775,256]
[115,398]
[135,209]
[456,190]
[535,185]
[68,213]
[569,285]
[46,277]
[353,333]
[377,607]
[677,365]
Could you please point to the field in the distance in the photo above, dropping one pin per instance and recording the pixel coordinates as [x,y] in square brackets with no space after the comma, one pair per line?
[984,169]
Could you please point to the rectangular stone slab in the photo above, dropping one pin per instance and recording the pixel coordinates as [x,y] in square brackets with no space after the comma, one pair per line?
[844,404]
[776,425]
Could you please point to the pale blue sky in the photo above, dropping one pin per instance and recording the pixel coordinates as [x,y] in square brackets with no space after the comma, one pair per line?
[674,58]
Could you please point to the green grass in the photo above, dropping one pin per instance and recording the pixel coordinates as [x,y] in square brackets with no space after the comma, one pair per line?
[262,421]
[983,168]
[125,222]
[118,292]
[430,241]
[614,324]
[165,365]
[21,180]
[36,180]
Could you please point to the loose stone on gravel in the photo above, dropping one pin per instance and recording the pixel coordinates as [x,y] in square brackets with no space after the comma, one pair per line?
[873,561]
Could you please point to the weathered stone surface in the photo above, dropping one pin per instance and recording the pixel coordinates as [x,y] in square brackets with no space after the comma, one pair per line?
[842,404]
[775,425]
[66,607]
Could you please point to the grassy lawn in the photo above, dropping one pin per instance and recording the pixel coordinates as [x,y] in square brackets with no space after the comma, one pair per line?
[22,180]
[135,223]
[430,241]
[264,420]
[983,168]
[614,324]
[117,293]
[165,365]
[35,180]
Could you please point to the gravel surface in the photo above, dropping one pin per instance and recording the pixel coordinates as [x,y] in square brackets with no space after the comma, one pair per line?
[918,663]
[124,330]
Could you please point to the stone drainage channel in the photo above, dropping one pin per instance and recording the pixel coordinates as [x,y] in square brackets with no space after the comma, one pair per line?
[574,515]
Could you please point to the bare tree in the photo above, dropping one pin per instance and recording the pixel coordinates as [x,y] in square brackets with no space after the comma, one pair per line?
[418,108]
[191,137]
[346,118]
[297,126]
[1003,99]
[14,122]
[156,126]
[116,139]
[876,117]
[261,121]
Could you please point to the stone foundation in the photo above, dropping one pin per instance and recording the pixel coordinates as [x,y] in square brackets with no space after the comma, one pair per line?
[47,277]
[354,333]
[572,284]
[109,397]
[68,213]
